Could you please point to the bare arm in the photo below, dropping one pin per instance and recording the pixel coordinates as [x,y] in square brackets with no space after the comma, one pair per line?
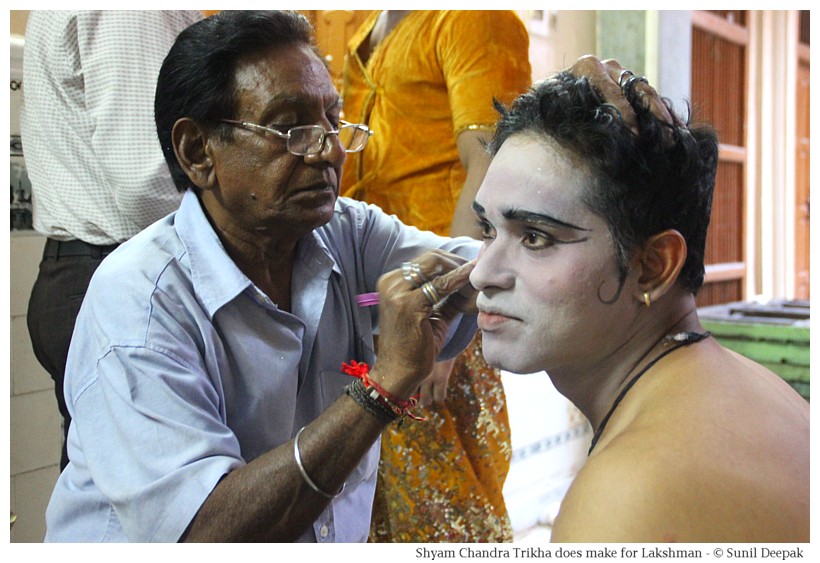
[683,486]
[630,497]
[268,500]
[475,160]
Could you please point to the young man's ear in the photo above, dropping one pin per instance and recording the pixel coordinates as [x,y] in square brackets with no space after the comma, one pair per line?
[193,153]
[661,261]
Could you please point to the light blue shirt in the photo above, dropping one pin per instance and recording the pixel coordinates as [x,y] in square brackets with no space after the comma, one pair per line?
[181,371]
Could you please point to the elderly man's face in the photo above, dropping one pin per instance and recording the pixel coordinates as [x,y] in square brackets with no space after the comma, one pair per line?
[261,187]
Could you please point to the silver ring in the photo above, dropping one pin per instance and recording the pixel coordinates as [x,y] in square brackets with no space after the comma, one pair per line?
[417,270]
[621,76]
[407,272]
[431,293]
[411,272]
[630,82]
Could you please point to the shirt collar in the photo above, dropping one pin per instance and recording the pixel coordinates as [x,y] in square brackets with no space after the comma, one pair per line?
[216,278]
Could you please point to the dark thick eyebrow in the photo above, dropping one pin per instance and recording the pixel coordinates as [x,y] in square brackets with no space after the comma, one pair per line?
[538,218]
[521,216]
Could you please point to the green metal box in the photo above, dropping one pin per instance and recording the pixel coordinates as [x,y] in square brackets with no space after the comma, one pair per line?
[774,334]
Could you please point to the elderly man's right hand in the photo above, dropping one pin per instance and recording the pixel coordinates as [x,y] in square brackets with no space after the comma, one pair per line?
[413,328]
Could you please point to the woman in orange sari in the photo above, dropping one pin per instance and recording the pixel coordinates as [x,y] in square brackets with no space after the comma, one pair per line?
[425,81]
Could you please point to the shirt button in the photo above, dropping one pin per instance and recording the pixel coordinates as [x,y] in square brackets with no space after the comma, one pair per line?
[323,531]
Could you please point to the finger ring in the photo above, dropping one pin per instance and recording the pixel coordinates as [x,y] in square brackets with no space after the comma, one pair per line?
[624,73]
[431,294]
[631,81]
[416,269]
[412,273]
[407,272]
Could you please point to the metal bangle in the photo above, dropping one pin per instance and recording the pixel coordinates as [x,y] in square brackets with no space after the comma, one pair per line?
[305,476]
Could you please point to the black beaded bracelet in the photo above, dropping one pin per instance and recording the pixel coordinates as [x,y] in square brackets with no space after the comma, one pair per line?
[358,392]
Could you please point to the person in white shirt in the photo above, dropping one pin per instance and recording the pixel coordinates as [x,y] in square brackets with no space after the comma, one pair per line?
[97,172]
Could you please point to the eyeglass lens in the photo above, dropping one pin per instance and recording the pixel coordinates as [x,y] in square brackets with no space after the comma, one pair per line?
[310,139]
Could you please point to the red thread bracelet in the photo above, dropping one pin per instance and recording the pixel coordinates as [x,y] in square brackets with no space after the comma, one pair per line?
[398,405]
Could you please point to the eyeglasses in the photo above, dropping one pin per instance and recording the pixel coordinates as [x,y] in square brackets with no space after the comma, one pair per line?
[306,140]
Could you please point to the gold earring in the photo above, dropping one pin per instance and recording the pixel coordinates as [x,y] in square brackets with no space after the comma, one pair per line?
[646,299]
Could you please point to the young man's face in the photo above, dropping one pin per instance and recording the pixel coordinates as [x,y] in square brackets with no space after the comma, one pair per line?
[547,265]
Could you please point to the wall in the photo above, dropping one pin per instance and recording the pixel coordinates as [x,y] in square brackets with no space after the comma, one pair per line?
[558,38]
[771,145]
[17,21]
[35,424]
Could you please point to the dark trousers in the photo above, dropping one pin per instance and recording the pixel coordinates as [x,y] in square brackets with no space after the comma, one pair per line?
[65,272]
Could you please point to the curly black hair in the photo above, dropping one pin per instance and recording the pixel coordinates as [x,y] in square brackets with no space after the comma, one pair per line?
[641,184]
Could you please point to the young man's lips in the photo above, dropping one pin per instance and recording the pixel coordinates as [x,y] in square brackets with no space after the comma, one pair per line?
[488,320]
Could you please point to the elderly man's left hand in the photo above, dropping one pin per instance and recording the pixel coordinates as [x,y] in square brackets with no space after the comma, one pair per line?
[610,79]
[434,388]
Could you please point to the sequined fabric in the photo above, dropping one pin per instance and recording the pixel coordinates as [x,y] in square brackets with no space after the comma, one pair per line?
[441,480]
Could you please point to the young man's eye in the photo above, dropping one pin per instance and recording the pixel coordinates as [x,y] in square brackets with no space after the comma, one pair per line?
[487,230]
[536,240]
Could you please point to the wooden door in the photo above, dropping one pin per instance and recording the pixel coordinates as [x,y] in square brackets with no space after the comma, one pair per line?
[719,85]
[801,215]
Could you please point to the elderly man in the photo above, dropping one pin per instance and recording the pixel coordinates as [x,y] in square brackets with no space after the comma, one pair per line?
[205,373]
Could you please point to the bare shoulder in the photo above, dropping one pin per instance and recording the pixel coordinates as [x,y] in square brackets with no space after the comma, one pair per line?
[718,451]
[620,495]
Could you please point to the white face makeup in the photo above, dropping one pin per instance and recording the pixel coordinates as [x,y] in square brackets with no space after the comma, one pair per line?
[547,264]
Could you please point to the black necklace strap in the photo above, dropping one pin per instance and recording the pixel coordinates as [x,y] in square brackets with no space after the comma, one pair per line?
[682,339]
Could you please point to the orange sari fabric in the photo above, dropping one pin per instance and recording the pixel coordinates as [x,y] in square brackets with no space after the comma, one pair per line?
[433,76]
